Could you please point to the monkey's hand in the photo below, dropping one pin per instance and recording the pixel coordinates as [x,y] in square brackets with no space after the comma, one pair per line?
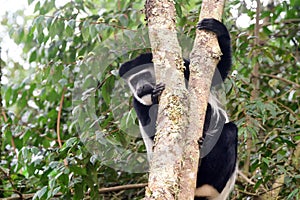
[157,91]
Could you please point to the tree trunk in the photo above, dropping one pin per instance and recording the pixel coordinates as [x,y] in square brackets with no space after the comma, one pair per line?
[204,57]
[172,115]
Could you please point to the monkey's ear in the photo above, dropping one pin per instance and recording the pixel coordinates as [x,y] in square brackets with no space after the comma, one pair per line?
[130,65]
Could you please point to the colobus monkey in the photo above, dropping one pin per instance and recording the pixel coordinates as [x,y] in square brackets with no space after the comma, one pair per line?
[217,171]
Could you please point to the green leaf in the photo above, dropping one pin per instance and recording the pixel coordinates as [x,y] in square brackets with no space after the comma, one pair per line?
[79,194]
[37,6]
[93,31]
[69,143]
[8,94]
[52,96]
[106,89]
[293,194]
[33,56]
[85,30]
[178,9]
[265,160]
[8,135]
[22,102]
[123,20]
[40,193]
[56,190]
[40,37]
[30,2]
[78,170]
[69,31]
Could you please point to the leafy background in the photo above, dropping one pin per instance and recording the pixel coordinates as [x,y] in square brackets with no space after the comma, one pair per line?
[53,105]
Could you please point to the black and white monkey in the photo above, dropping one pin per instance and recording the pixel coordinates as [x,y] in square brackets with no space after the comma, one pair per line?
[217,171]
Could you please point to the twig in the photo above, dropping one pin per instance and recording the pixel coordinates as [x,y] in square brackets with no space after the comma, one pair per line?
[288,109]
[3,114]
[10,181]
[101,190]
[279,186]
[122,187]
[20,197]
[58,122]
[58,118]
[241,174]
[248,193]
[91,22]
[286,21]
[282,79]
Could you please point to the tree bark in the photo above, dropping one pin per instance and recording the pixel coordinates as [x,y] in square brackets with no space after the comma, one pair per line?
[204,57]
[172,115]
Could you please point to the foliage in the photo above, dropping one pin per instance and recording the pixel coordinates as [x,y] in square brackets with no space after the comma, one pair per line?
[73,53]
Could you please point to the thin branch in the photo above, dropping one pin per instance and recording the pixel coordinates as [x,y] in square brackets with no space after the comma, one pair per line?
[288,109]
[91,22]
[255,91]
[4,115]
[282,79]
[248,193]
[6,175]
[122,187]
[101,191]
[58,122]
[285,21]
[20,197]
[59,116]
[242,175]
[275,188]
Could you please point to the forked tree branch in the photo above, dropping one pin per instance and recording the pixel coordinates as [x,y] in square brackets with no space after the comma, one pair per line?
[174,165]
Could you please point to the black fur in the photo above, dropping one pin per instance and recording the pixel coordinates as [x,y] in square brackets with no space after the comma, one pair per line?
[219,165]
